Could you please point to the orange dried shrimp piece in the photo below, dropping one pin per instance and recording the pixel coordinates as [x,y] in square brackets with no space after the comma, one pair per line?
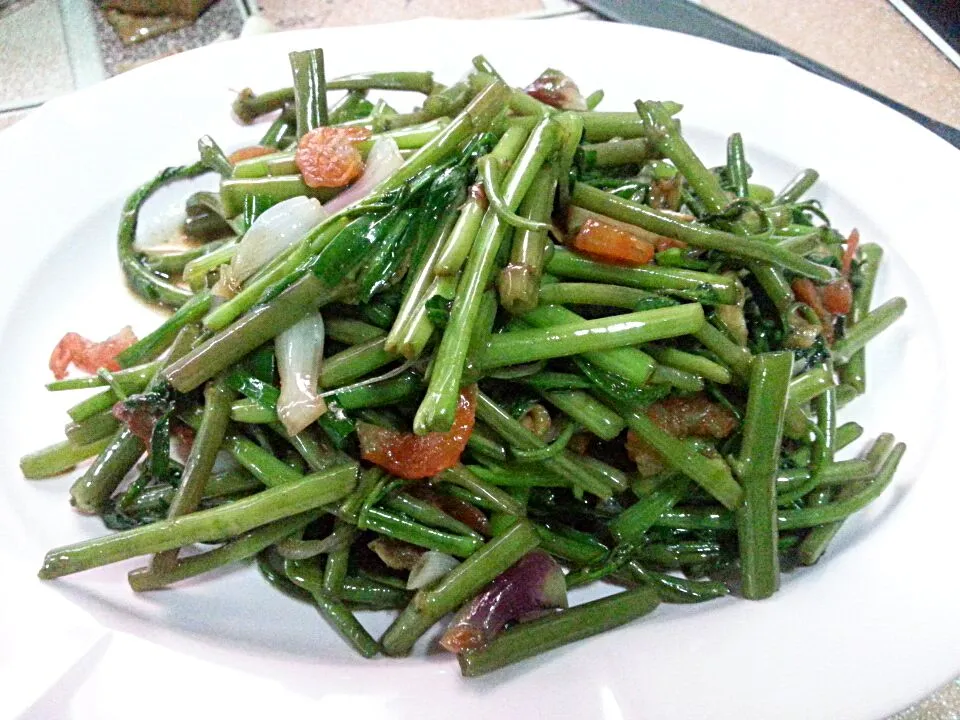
[328,157]
[413,457]
[88,355]
[611,244]
[247,153]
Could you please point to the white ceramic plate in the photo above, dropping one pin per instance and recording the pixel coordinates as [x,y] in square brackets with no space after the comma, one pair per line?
[869,630]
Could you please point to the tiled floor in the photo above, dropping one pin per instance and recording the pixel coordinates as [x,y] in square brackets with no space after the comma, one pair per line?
[35,63]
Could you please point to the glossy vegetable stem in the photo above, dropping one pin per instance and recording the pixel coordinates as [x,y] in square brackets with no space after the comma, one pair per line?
[437,409]
[217,523]
[706,288]
[759,462]
[854,372]
[563,464]
[144,282]
[91,492]
[574,336]
[244,546]
[695,234]
[309,89]
[248,106]
[527,639]
[458,586]
[203,453]
[267,321]
[519,281]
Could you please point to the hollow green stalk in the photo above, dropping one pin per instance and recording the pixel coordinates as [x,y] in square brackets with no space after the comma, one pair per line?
[309,89]
[307,575]
[871,325]
[244,546]
[90,492]
[403,528]
[626,362]
[712,519]
[458,586]
[491,496]
[210,525]
[151,346]
[706,288]
[695,234]
[590,336]
[59,458]
[713,475]
[532,638]
[631,524]
[563,465]
[246,334]
[437,410]
[620,296]
[691,363]
[759,461]
[203,453]
[519,281]
[94,428]
[819,538]
[588,411]
[854,372]
[797,187]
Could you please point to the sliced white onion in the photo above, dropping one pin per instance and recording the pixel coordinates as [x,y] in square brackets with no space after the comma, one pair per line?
[431,566]
[299,352]
[382,161]
[277,228]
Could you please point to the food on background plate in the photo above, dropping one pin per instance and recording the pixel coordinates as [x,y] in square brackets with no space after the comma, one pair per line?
[466,358]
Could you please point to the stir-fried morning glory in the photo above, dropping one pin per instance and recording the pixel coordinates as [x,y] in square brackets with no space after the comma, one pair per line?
[465,358]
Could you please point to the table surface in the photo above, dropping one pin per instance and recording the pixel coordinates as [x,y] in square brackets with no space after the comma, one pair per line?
[867,40]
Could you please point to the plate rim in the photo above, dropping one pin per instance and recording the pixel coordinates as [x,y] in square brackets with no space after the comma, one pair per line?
[169,65]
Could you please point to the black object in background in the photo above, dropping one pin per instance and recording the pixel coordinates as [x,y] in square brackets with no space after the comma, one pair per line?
[943,17]
[686,17]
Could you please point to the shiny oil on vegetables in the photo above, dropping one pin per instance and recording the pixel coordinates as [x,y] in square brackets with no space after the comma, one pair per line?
[460,360]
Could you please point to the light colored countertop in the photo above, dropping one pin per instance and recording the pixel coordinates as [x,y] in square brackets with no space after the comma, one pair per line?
[866,40]
[287,14]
